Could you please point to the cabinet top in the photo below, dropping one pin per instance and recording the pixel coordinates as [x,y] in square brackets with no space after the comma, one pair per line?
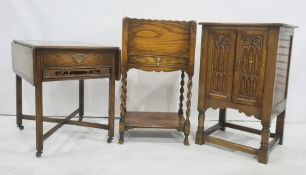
[247,24]
[61,44]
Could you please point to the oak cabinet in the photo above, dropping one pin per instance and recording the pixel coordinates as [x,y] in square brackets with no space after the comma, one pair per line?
[245,67]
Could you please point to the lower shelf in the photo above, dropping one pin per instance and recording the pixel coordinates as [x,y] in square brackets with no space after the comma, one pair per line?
[166,120]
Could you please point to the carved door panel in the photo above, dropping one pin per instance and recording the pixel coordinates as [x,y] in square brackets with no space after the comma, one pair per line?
[251,55]
[220,60]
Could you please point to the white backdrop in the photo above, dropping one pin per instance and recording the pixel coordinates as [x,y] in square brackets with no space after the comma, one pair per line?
[100,21]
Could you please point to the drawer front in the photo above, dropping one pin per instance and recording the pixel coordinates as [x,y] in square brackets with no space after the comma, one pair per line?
[157,63]
[58,74]
[71,58]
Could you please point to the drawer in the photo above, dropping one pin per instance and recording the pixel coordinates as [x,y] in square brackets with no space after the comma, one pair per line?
[71,58]
[157,63]
[57,74]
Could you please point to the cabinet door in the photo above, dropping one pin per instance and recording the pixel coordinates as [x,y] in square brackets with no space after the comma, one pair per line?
[251,55]
[220,58]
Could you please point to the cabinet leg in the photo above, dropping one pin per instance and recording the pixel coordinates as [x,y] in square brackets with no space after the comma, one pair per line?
[39,119]
[123,107]
[111,110]
[263,156]
[200,132]
[222,118]
[280,122]
[81,100]
[19,102]
[186,132]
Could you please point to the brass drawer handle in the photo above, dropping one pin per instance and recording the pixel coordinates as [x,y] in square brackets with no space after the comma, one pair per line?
[78,58]
[157,61]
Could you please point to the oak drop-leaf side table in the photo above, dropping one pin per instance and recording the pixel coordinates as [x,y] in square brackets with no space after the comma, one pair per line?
[42,61]
[157,45]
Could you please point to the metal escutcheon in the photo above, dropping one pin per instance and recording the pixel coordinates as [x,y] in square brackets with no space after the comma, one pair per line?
[157,61]
[78,58]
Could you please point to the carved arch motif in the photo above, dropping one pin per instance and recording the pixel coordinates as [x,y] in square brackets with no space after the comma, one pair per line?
[220,53]
[249,65]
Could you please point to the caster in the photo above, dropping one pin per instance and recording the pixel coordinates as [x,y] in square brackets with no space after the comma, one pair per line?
[38,153]
[222,128]
[109,140]
[21,127]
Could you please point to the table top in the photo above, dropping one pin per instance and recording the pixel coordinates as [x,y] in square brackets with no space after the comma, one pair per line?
[59,56]
[62,44]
